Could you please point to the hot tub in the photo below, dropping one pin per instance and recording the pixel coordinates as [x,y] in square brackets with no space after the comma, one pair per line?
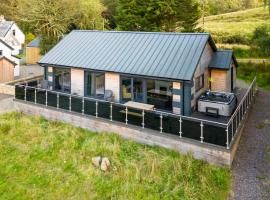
[217,103]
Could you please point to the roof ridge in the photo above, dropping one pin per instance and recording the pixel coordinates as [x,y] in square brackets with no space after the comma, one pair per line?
[144,32]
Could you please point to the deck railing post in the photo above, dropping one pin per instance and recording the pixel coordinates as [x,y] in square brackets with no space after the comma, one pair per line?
[35,95]
[232,128]
[111,110]
[83,106]
[201,131]
[25,92]
[57,103]
[46,101]
[227,138]
[180,127]
[143,119]
[96,109]
[70,103]
[126,115]
[161,125]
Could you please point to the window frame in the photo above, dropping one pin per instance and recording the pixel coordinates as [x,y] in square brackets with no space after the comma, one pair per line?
[199,82]
[86,72]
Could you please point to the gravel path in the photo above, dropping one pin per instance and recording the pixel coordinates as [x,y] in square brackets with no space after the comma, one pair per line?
[250,170]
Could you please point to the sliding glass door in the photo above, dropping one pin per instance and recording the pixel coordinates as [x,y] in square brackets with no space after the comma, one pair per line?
[62,79]
[94,84]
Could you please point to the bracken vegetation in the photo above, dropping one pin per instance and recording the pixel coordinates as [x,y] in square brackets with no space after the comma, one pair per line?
[49,160]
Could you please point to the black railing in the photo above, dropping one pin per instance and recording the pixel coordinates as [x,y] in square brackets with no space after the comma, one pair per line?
[197,129]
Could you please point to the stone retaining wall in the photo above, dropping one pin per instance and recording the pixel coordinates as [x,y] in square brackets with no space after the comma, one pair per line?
[210,153]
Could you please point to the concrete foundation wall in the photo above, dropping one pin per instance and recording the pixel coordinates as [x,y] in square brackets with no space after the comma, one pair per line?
[209,153]
[7,89]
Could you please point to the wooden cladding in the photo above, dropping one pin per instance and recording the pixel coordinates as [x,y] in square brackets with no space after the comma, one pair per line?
[6,70]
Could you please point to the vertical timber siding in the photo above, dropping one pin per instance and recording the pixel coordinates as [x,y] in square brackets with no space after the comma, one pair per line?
[219,80]
[77,82]
[112,82]
[6,71]
[32,55]
[202,68]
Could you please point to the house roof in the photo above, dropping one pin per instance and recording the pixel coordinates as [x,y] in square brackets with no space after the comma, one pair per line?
[12,62]
[164,55]
[222,59]
[34,43]
[5,26]
[6,44]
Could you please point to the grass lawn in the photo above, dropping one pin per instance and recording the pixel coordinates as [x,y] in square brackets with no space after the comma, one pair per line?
[234,30]
[49,160]
[241,23]
[247,72]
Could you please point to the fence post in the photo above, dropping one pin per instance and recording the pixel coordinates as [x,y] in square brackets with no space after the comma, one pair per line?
[57,106]
[143,119]
[201,132]
[232,128]
[126,116]
[96,109]
[111,107]
[25,93]
[180,127]
[46,98]
[35,95]
[69,103]
[83,106]
[227,138]
[161,127]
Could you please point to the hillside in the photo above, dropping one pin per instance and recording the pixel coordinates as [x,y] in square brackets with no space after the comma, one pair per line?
[236,27]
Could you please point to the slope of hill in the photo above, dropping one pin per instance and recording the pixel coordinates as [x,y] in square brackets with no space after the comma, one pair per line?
[236,27]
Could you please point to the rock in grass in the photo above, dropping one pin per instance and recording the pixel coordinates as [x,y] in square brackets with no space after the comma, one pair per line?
[102,162]
[105,164]
[96,161]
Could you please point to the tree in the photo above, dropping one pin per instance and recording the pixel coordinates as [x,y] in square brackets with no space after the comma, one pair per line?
[261,38]
[157,15]
[51,19]
[110,13]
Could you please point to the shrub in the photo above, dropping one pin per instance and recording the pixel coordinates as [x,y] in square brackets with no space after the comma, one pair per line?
[261,38]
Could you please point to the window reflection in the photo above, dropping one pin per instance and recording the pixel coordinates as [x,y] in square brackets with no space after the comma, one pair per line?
[62,80]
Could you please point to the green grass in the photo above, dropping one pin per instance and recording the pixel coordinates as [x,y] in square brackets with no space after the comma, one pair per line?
[247,71]
[49,160]
[234,30]
[239,24]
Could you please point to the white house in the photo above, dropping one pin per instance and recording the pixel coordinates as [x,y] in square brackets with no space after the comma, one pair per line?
[11,34]
[7,51]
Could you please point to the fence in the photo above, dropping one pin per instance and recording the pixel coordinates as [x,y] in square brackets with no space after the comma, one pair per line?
[236,119]
[201,130]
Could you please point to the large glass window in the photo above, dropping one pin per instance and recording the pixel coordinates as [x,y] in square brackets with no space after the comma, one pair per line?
[62,79]
[154,92]
[95,84]
[159,93]
[126,89]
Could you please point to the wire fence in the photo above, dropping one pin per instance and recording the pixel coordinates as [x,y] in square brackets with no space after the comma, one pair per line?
[201,130]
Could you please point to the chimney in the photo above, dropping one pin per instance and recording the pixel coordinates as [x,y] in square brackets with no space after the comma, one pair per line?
[2,18]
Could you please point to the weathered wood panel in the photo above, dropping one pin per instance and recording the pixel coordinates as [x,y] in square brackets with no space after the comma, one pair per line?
[32,55]
[219,80]
[6,71]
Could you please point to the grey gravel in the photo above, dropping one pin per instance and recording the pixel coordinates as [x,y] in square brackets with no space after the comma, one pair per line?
[250,170]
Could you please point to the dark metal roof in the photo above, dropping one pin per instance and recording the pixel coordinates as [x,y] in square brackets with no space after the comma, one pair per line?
[6,44]
[5,26]
[222,59]
[164,55]
[34,43]
[12,62]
